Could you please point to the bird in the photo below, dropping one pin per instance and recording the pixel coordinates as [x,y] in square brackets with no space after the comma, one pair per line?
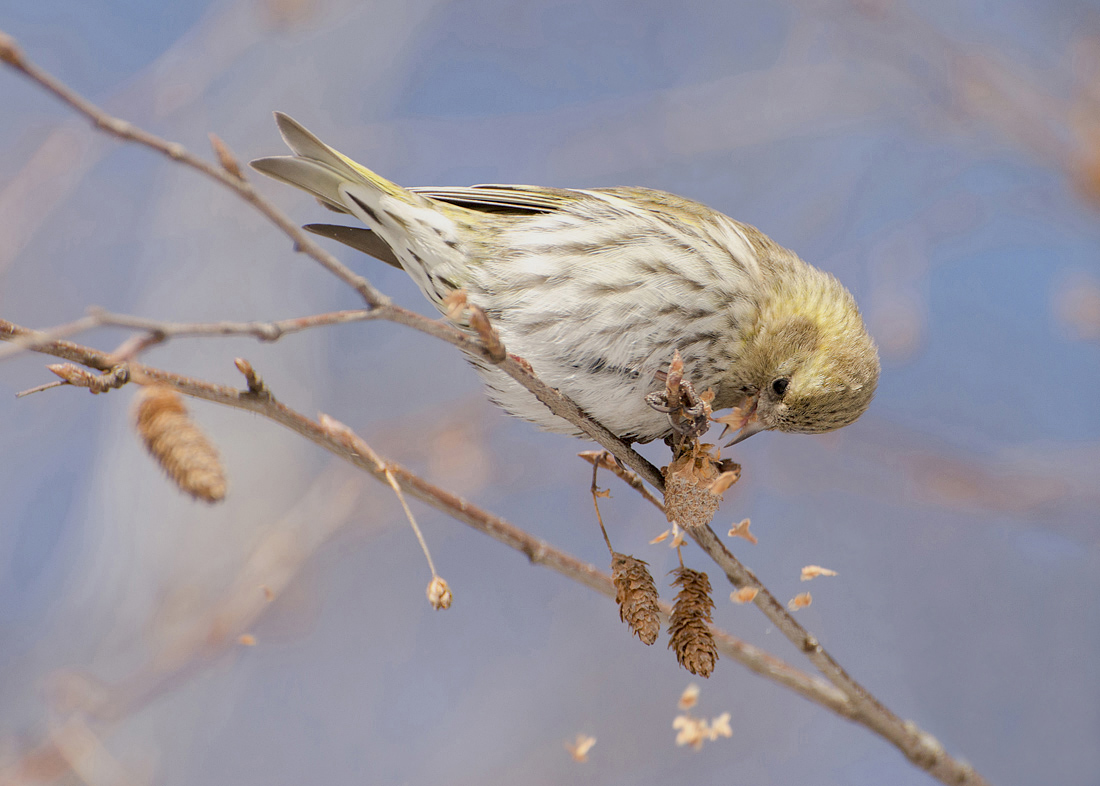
[597,289]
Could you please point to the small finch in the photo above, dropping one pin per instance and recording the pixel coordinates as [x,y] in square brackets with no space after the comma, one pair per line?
[597,288]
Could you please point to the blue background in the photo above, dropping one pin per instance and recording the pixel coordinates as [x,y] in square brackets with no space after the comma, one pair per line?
[943,159]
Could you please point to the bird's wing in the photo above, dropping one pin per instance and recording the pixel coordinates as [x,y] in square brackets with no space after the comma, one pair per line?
[497,199]
[502,200]
[492,198]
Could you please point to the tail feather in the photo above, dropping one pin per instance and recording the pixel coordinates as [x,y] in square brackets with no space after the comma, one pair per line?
[321,170]
[318,179]
[418,233]
[307,146]
[358,238]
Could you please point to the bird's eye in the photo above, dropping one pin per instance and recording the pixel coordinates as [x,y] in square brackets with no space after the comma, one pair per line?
[779,387]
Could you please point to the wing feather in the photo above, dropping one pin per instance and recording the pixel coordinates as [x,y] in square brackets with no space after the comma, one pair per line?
[493,198]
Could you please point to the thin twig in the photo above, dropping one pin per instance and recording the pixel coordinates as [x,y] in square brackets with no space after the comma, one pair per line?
[345,434]
[596,505]
[40,388]
[604,459]
[36,338]
[264,331]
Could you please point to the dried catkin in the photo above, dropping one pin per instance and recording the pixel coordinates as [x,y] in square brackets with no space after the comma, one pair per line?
[636,594]
[694,484]
[689,634]
[178,445]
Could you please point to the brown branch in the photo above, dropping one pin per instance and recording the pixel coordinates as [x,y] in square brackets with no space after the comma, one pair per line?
[860,706]
[351,448]
[159,331]
[847,698]
[121,129]
[33,338]
[229,175]
[857,704]
[919,747]
[264,331]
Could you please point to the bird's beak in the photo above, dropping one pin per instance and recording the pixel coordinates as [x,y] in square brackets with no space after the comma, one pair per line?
[755,427]
[749,423]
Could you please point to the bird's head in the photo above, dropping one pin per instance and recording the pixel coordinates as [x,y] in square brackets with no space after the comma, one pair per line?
[810,364]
